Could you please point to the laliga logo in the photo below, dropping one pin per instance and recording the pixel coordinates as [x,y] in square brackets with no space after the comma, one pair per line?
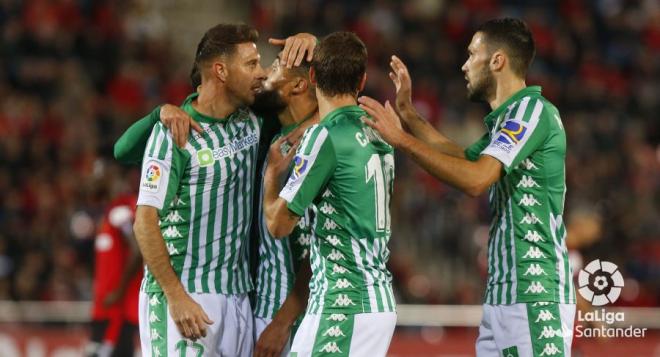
[600,282]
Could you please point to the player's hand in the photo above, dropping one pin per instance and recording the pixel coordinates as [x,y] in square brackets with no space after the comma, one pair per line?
[272,340]
[402,83]
[295,48]
[112,298]
[179,123]
[383,119]
[188,315]
[281,153]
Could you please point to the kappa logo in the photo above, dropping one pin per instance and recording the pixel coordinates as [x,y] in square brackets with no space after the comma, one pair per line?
[154,301]
[534,253]
[327,194]
[528,200]
[304,239]
[171,249]
[535,288]
[535,270]
[336,255]
[177,202]
[153,317]
[327,208]
[343,300]
[172,232]
[549,332]
[334,240]
[337,317]
[338,269]
[334,331]
[527,164]
[343,284]
[550,350]
[174,217]
[156,351]
[330,224]
[534,237]
[545,316]
[155,335]
[530,218]
[330,347]
[527,182]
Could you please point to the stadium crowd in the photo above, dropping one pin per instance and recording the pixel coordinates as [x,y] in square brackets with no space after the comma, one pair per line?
[75,74]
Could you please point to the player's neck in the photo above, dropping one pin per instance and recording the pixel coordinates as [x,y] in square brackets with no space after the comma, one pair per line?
[505,89]
[328,104]
[298,110]
[213,101]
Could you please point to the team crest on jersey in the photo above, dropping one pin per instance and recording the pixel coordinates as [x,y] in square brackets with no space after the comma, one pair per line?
[152,176]
[299,167]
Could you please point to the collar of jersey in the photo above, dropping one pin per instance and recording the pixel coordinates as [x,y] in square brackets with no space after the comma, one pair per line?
[342,110]
[188,107]
[516,96]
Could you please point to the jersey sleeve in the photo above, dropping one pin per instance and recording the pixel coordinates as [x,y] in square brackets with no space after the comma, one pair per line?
[313,166]
[519,138]
[162,167]
[129,149]
[473,151]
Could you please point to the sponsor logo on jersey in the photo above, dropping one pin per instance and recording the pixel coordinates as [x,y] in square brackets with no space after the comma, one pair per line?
[205,157]
[513,131]
[152,177]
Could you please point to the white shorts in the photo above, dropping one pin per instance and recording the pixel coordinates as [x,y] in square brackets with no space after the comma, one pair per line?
[358,335]
[525,330]
[260,324]
[230,334]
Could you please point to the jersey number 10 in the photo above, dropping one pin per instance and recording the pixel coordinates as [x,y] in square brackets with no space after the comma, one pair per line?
[382,173]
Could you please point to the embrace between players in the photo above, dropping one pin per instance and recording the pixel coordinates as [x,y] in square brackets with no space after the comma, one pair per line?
[322,213]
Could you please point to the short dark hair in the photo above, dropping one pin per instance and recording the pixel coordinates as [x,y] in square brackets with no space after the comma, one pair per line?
[222,40]
[514,37]
[340,61]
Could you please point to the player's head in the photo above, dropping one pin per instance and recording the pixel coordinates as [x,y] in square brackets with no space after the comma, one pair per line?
[339,65]
[282,86]
[500,48]
[228,55]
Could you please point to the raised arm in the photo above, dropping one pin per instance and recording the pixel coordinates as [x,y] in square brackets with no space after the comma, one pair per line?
[418,126]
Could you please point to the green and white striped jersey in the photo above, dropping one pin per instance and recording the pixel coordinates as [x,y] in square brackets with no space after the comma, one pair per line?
[204,196]
[279,259]
[347,171]
[527,255]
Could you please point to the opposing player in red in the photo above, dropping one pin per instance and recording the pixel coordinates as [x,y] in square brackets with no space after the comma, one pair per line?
[117,280]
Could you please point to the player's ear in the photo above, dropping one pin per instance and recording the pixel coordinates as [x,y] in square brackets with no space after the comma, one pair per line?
[220,70]
[363,82]
[300,86]
[312,76]
[497,61]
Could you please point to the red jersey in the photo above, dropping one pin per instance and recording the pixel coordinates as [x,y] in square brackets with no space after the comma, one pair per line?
[112,254]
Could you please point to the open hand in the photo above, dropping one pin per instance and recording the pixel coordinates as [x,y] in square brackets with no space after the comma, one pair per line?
[383,119]
[189,316]
[402,83]
[295,48]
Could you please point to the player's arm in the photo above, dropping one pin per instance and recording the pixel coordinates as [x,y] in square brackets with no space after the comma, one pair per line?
[129,149]
[162,168]
[471,177]
[280,221]
[418,126]
[275,336]
[122,218]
